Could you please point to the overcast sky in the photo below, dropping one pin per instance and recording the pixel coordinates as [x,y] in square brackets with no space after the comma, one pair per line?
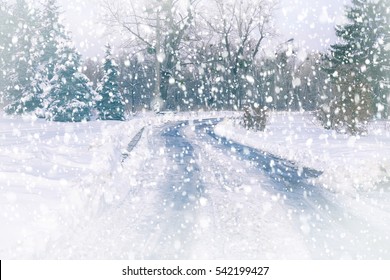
[310,22]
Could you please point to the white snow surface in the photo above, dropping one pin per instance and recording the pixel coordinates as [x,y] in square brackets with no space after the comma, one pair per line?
[348,163]
[57,177]
[67,193]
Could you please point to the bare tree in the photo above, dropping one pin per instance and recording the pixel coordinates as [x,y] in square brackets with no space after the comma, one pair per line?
[93,71]
[310,82]
[240,28]
[157,28]
[135,81]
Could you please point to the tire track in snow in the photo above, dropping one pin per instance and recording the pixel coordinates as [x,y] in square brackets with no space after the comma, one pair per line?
[181,193]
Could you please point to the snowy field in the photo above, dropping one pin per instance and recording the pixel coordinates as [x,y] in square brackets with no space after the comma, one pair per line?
[348,163]
[56,177]
[53,176]
[184,193]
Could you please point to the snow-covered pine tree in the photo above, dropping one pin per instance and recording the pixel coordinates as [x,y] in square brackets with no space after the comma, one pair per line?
[381,59]
[350,108]
[51,34]
[6,34]
[23,92]
[70,94]
[364,52]
[110,104]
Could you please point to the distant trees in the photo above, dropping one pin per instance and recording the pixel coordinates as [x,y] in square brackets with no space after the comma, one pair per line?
[310,82]
[200,58]
[110,104]
[93,70]
[238,31]
[157,31]
[359,68]
[276,79]
[190,58]
[136,80]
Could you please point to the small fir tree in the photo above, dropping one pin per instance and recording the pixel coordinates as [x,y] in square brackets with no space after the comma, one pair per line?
[110,104]
[70,94]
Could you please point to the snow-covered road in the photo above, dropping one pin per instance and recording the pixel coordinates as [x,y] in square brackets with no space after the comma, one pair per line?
[194,195]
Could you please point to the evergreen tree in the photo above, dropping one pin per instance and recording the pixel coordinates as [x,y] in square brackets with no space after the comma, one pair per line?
[52,33]
[110,104]
[70,96]
[6,33]
[23,91]
[350,108]
[364,51]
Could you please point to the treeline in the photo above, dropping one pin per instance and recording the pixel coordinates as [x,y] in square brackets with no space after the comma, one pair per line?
[280,82]
[41,71]
[203,55]
[209,57]
[204,63]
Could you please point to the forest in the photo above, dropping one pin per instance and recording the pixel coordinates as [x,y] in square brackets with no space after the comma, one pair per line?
[180,56]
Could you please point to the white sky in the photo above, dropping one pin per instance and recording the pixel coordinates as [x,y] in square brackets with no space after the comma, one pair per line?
[310,22]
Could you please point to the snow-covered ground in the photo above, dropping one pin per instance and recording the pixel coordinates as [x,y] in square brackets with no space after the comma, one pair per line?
[348,163]
[56,177]
[182,192]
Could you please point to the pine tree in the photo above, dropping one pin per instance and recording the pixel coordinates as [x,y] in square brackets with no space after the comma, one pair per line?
[364,51]
[23,91]
[350,108]
[6,33]
[52,33]
[110,103]
[380,73]
[70,95]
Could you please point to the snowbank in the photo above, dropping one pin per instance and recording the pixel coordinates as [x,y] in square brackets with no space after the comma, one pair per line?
[55,177]
[349,163]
